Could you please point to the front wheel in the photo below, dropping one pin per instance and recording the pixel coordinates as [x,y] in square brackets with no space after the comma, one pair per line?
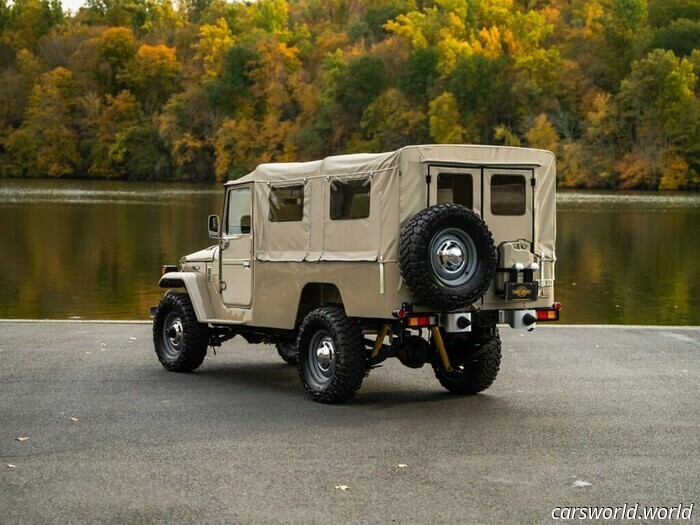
[475,361]
[288,352]
[179,339]
[332,355]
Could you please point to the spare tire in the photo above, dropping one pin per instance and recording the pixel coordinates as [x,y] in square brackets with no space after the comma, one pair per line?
[447,256]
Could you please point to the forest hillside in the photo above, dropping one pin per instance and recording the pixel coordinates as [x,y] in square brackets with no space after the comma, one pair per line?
[206,89]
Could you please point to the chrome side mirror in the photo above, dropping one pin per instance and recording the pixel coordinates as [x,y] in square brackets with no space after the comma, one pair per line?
[214,227]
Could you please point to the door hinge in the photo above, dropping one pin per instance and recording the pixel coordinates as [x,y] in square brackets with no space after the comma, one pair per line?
[533,182]
[222,286]
[428,179]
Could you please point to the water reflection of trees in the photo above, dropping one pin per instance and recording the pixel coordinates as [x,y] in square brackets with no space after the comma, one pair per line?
[101,259]
[629,267]
[97,261]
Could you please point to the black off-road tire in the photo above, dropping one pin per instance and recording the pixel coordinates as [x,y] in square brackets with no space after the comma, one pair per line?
[180,340]
[455,287]
[475,363]
[336,376]
[288,352]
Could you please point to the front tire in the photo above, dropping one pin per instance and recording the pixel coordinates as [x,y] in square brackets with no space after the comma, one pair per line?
[332,355]
[288,352]
[475,362]
[180,340]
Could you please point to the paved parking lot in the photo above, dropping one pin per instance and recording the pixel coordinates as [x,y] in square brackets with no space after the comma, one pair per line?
[580,416]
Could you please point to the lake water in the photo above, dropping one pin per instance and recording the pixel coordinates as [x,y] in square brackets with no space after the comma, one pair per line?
[94,249]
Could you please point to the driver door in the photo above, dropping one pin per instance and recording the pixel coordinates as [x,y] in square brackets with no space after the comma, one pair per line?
[236,249]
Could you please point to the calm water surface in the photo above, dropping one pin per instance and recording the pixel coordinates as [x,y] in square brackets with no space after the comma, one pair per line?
[93,250]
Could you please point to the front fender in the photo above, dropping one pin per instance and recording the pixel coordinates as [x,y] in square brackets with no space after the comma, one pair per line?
[196,287]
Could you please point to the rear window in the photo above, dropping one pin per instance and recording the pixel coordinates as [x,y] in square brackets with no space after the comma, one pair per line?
[456,188]
[286,203]
[350,199]
[508,195]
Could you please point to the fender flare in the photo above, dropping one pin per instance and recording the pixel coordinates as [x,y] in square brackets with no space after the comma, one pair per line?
[196,287]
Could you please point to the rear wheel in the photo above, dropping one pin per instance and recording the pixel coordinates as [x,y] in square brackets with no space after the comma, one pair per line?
[475,361]
[180,340]
[332,355]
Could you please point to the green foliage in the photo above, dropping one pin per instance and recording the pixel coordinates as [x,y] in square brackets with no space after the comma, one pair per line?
[233,86]
[207,89]
[663,12]
[360,83]
[422,73]
[682,36]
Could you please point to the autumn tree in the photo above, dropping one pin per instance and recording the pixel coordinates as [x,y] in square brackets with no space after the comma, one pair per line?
[117,49]
[24,22]
[47,145]
[187,126]
[153,75]
[661,117]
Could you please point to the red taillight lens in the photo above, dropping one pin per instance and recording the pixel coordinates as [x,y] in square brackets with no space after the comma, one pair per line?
[419,321]
[549,314]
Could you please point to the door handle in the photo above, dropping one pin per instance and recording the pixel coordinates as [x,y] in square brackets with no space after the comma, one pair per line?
[246,264]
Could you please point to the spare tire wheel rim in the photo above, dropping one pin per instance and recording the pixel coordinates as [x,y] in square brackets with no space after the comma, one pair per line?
[453,257]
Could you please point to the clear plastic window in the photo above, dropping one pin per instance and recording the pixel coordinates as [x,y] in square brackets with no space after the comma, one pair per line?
[350,199]
[456,188]
[508,195]
[238,220]
[286,203]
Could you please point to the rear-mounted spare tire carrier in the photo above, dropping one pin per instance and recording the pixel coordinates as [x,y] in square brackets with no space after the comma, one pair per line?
[447,256]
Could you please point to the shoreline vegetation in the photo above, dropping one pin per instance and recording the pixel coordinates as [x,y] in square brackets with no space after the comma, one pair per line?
[204,90]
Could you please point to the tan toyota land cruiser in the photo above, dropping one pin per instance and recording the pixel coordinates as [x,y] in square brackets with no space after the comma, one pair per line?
[342,263]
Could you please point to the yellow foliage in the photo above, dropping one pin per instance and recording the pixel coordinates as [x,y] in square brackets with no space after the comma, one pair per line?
[451,50]
[444,119]
[505,135]
[542,134]
[157,59]
[674,174]
[491,42]
[594,13]
[413,27]
[118,39]
[496,12]
[214,42]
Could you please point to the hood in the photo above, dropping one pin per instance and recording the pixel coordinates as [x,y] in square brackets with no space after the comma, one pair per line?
[205,255]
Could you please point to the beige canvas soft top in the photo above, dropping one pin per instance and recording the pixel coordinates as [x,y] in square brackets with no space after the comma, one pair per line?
[398,191]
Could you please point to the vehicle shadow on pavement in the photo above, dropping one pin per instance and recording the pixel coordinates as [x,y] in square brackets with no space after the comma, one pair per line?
[264,378]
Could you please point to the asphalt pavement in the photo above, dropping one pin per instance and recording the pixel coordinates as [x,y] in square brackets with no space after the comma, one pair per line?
[93,430]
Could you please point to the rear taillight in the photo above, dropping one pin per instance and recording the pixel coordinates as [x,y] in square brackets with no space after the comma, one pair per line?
[549,314]
[418,321]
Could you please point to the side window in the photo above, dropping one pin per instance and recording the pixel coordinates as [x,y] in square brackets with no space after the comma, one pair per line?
[286,203]
[456,188]
[350,199]
[508,195]
[238,215]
